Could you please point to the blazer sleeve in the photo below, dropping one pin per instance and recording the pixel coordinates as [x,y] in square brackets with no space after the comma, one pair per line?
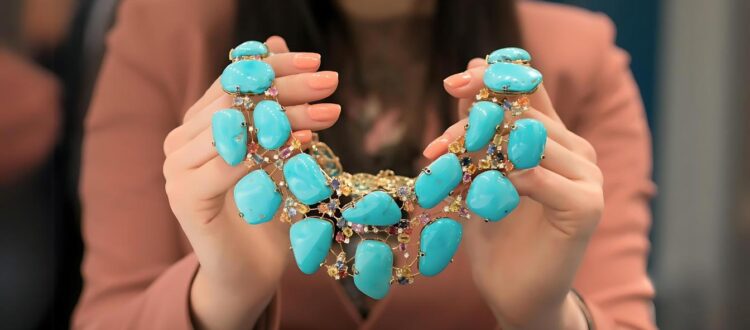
[613,279]
[137,266]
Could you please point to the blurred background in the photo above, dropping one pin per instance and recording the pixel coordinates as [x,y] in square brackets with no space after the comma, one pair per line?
[688,57]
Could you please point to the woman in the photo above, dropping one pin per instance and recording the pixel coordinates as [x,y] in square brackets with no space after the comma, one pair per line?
[141,271]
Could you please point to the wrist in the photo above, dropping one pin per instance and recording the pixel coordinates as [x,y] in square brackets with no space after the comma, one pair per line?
[565,315]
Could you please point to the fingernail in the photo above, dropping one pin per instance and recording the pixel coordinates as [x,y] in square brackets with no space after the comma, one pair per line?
[437,147]
[323,80]
[458,79]
[324,111]
[306,60]
[303,136]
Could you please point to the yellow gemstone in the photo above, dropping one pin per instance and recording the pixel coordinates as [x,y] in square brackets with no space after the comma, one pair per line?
[285,217]
[456,147]
[484,164]
[296,144]
[471,168]
[484,93]
[332,272]
[403,238]
[302,208]
[408,206]
[346,190]
[347,232]
[497,140]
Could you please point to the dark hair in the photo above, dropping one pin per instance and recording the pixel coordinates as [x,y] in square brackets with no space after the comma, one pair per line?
[460,31]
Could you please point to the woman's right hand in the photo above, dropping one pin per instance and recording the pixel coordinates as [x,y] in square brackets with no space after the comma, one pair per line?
[240,264]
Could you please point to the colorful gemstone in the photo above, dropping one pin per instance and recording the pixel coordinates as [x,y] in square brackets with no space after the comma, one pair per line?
[440,177]
[376,209]
[256,197]
[526,143]
[230,135]
[511,78]
[249,48]
[272,124]
[492,196]
[247,77]
[310,239]
[306,180]
[438,243]
[484,117]
[373,262]
[509,54]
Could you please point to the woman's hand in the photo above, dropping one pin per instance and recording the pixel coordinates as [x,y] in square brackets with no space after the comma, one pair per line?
[240,264]
[526,263]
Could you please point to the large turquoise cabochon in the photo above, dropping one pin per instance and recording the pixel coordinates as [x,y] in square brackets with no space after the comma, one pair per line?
[306,180]
[509,54]
[511,78]
[484,117]
[230,135]
[272,124]
[492,196]
[249,77]
[373,262]
[439,242]
[444,175]
[249,48]
[526,143]
[375,209]
[256,197]
[311,239]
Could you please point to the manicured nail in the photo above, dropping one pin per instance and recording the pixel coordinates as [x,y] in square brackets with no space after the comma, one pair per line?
[303,136]
[458,79]
[323,80]
[437,147]
[306,60]
[324,111]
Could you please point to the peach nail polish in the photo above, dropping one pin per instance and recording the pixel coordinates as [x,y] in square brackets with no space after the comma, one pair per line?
[306,60]
[324,111]
[435,148]
[458,79]
[323,80]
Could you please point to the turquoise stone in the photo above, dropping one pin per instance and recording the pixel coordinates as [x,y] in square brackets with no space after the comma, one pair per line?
[434,184]
[438,242]
[373,262]
[526,143]
[509,54]
[484,117]
[311,239]
[306,180]
[256,197]
[230,135]
[272,124]
[375,209]
[249,48]
[511,78]
[492,196]
[249,77]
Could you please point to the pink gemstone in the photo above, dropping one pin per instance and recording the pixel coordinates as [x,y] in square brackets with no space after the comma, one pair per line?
[272,91]
[424,218]
[467,177]
[340,237]
[252,148]
[402,246]
[285,153]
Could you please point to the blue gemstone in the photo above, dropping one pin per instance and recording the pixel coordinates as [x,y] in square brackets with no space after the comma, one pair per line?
[256,197]
[373,262]
[434,184]
[306,180]
[492,196]
[509,54]
[247,77]
[230,135]
[311,240]
[272,124]
[511,78]
[439,242]
[526,143]
[249,48]
[375,209]
[484,117]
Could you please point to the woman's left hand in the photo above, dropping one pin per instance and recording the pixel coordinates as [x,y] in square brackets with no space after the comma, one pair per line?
[525,264]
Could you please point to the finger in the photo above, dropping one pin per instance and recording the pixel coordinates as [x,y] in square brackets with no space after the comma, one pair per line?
[465,84]
[215,177]
[541,101]
[440,145]
[306,87]
[562,161]
[285,64]
[463,107]
[546,187]
[276,45]
[476,62]
[301,117]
